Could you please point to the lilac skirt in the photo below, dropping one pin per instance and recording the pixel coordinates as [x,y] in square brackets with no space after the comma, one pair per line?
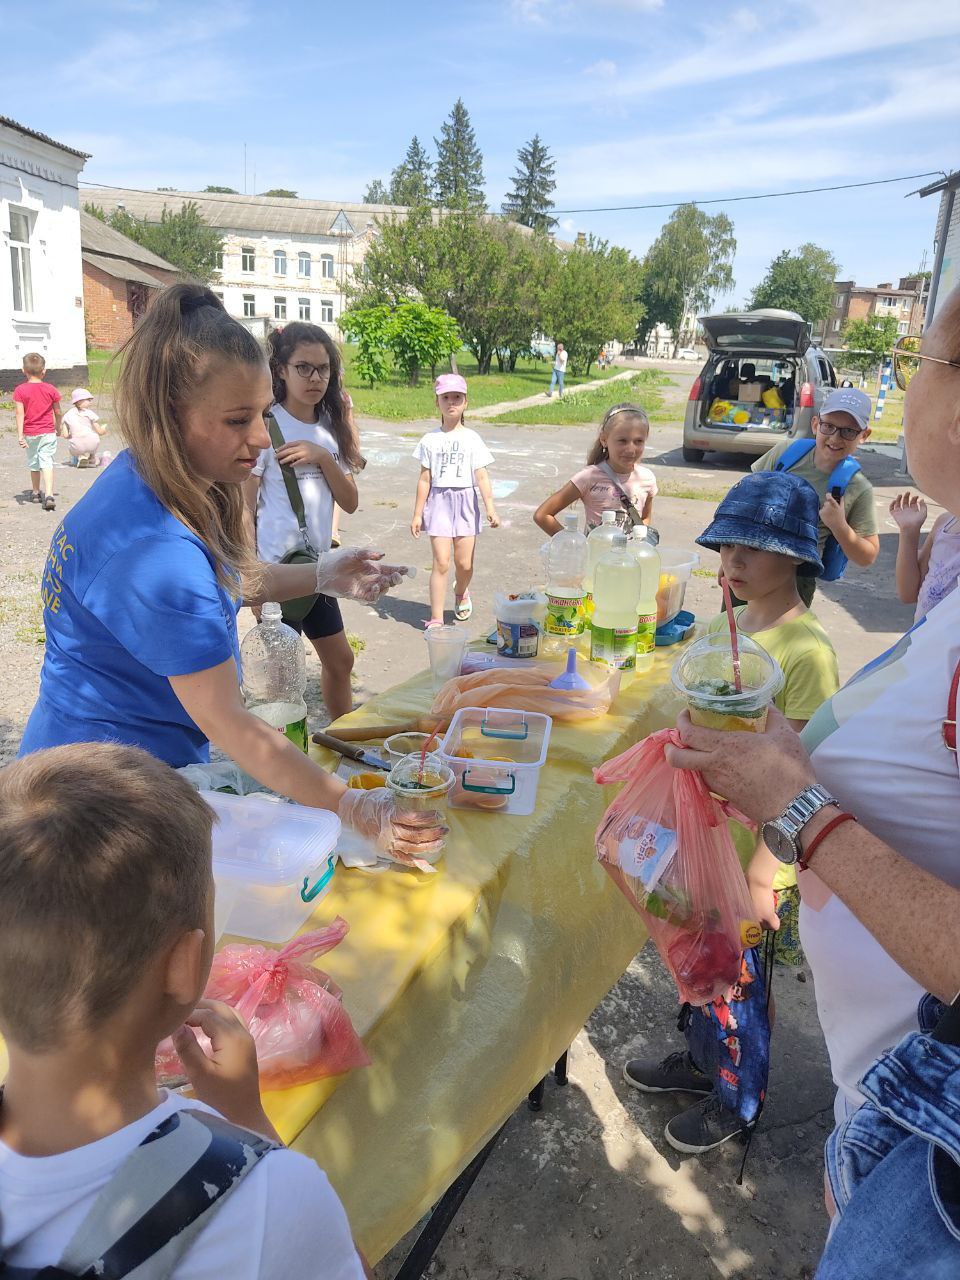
[452,513]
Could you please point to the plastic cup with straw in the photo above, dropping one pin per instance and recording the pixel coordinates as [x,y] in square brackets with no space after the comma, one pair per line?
[727,679]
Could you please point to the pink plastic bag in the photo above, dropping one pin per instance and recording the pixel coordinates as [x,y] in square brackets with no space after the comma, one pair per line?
[294,1012]
[665,842]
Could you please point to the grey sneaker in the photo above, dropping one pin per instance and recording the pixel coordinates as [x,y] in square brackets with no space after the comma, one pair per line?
[704,1126]
[674,1074]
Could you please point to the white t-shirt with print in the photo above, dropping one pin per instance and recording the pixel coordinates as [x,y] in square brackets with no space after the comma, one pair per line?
[277,528]
[283,1220]
[877,746]
[452,457]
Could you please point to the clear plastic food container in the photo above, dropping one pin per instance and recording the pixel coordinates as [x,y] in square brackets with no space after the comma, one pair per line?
[496,755]
[275,860]
[675,570]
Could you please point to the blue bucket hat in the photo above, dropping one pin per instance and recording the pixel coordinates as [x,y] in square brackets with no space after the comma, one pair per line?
[771,511]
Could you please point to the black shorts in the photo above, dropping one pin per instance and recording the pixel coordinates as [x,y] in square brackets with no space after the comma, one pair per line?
[323,620]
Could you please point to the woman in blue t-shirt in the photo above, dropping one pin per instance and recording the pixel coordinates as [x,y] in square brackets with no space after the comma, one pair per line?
[146,573]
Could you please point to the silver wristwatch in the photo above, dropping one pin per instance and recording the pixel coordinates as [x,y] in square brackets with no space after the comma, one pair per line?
[782,835]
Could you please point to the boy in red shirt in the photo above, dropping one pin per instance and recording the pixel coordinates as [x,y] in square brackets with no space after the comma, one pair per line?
[38,423]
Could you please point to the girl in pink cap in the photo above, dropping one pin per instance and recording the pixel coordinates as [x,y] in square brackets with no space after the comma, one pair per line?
[453,468]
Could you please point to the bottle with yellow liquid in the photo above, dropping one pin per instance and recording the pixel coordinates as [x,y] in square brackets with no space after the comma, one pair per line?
[275,675]
[616,595]
[599,541]
[648,559]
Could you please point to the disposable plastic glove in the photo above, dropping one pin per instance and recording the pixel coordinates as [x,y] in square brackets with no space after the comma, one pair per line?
[406,837]
[355,573]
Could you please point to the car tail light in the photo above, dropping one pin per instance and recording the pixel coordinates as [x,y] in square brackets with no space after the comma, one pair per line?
[806,396]
[696,389]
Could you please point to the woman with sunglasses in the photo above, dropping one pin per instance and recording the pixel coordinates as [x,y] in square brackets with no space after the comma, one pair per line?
[870,817]
[850,517]
[321,446]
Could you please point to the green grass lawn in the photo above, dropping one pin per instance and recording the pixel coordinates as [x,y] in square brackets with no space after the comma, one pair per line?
[590,406]
[396,401]
[104,367]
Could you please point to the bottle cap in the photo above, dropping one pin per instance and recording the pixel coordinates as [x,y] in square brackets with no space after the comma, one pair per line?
[271,612]
[571,520]
[608,517]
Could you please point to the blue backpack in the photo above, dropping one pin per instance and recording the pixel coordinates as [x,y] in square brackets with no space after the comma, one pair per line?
[833,557]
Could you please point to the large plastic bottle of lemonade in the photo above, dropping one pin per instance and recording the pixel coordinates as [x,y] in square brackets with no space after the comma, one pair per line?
[566,557]
[599,540]
[616,595]
[274,675]
[648,558]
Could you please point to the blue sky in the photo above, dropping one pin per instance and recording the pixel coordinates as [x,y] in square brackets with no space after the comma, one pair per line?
[639,100]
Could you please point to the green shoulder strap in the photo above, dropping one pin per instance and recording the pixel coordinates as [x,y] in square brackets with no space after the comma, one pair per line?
[290,482]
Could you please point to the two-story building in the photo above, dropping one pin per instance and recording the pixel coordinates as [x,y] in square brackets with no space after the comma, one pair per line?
[283,259]
[41,282]
[905,303]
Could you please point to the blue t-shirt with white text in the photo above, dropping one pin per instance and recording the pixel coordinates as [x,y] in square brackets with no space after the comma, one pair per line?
[130,598]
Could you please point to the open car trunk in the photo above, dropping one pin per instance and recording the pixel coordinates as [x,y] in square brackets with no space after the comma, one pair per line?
[764,401]
[764,332]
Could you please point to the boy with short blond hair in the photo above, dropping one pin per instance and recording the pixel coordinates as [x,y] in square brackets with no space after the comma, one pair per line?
[37,405]
[106,938]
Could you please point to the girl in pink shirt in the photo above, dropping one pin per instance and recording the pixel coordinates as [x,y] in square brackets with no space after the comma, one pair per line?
[613,478]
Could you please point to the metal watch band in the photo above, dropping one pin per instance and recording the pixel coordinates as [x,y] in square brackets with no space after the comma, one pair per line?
[802,808]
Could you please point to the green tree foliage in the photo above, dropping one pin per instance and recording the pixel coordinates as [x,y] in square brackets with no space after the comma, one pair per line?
[376,193]
[221,191]
[593,299]
[688,264]
[412,181]
[95,210]
[416,335]
[182,238]
[867,342]
[458,178]
[284,192]
[531,197]
[801,282]
[489,275]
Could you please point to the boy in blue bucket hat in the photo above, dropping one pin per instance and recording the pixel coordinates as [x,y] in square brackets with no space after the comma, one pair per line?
[766,531]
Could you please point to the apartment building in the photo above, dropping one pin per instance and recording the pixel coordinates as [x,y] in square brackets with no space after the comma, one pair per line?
[905,302]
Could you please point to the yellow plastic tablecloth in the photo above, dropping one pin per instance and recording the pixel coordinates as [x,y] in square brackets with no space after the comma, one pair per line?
[467,986]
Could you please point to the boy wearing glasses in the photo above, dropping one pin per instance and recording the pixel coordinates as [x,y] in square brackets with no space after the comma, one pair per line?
[848,516]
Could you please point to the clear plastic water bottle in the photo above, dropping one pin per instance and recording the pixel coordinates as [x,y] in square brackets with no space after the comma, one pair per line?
[616,596]
[599,540]
[648,558]
[566,557]
[274,675]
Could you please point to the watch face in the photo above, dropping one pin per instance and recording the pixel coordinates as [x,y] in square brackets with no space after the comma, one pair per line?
[779,844]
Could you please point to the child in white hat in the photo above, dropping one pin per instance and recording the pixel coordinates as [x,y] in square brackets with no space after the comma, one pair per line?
[85,429]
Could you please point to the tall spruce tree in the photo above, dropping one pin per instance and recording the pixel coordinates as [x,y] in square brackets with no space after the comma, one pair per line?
[530,201]
[376,193]
[412,180]
[458,179]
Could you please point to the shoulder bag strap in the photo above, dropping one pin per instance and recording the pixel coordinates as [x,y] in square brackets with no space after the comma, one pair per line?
[291,484]
[948,728]
[625,498]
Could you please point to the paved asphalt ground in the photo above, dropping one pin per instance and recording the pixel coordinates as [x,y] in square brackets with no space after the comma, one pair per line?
[586,1190]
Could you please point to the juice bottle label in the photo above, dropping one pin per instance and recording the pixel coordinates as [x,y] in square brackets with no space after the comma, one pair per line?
[564,615]
[614,646]
[646,633]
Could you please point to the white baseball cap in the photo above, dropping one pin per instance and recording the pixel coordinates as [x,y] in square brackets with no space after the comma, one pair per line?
[849,400]
[81,393]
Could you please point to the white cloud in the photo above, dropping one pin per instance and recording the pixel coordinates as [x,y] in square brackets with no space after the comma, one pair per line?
[605,69]
[744,20]
[532,11]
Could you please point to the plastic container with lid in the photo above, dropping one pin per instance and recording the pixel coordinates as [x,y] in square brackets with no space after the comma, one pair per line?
[675,570]
[275,859]
[496,755]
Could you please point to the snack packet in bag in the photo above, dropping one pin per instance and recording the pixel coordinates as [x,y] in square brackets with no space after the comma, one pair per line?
[294,1012]
[665,842]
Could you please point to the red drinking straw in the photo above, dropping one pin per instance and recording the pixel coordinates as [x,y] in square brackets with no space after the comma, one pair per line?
[433,737]
[732,624]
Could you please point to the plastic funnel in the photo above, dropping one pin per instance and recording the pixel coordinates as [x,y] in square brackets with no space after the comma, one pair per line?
[570,680]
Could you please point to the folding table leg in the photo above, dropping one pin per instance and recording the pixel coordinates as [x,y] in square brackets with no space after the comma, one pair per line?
[560,1070]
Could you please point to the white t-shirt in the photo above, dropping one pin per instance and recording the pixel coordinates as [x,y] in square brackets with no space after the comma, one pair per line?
[876,746]
[277,528]
[560,362]
[80,424]
[452,457]
[284,1219]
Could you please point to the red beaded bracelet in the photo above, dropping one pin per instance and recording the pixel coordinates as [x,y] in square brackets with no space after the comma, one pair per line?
[803,862]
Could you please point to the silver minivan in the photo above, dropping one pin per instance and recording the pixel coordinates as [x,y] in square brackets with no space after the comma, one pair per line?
[762,383]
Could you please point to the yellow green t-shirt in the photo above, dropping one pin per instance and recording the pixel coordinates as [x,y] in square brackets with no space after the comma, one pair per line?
[858,501]
[810,676]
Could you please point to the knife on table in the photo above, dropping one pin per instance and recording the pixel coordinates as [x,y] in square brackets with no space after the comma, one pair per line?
[360,754]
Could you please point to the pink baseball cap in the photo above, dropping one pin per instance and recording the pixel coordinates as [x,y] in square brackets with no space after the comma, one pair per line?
[450,382]
[81,393]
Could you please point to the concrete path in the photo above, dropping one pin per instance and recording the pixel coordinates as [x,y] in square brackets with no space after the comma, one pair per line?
[487,411]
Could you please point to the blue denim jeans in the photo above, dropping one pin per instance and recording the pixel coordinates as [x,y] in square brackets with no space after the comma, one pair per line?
[894,1169]
[557,377]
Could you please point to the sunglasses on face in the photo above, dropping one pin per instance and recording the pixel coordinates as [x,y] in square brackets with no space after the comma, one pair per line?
[307,371]
[845,433]
[907,358]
